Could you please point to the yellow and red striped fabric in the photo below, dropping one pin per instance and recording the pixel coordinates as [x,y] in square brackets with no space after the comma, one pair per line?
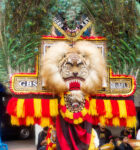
[32,111]
[113,112]
[41,111]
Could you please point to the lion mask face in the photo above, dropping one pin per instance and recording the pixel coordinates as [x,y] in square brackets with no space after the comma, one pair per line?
[66,68]
[73,70]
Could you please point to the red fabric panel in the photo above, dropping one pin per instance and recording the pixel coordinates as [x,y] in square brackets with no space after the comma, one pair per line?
[37,120]
[12,106]
[100,107]
[92,119]
[122,122]
[61,139]
[115,108]
[22,121]
[83,135]
[130,107]
[29,107]
[72,140]
[109,122]
[45,107]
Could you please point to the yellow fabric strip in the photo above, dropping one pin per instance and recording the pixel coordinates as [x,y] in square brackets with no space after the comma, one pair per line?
[69,114]
[116,121]
[108,108]
[20,108]
[37,108]
[62,102]
[92,107]
[84,111]
[29,121]
[14,121]
[131,122]
[102,120]
[53,107]
[122,108]
[45,122]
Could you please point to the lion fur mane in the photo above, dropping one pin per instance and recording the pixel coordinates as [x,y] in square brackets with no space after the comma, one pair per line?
[58,51]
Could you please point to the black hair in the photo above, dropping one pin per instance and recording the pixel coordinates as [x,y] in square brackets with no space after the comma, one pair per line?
[122,137]
[45,128]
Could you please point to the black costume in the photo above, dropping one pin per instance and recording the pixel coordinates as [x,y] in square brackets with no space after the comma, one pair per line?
[103,136]
[42,135]
[129,133]
[125,146]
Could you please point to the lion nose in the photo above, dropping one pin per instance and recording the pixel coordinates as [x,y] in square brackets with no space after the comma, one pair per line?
[75,74]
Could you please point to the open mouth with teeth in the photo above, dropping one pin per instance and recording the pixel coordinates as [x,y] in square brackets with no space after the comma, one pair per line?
[74,83]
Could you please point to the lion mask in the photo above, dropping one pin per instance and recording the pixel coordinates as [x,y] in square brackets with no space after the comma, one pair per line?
[80,67]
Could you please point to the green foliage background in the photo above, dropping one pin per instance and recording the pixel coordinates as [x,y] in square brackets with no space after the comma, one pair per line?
[23,23]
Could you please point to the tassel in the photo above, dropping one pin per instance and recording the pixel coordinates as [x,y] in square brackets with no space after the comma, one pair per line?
[116,121]
[14,121]
[37,108]
[22,121]
[92,108]
[37,121]
[109,122]
[95,120]
[108,108]
[102,120]
[122,109]
[20,108]
[29,107]
[45,122]
[29,121]
[123,122]
[53,107]
[45,108]
[115,108]
[12,106]
[130,107]
[100,107]
[131,122]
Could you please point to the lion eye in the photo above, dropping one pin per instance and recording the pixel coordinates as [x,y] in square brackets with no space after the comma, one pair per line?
[68,63]
[81,63]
